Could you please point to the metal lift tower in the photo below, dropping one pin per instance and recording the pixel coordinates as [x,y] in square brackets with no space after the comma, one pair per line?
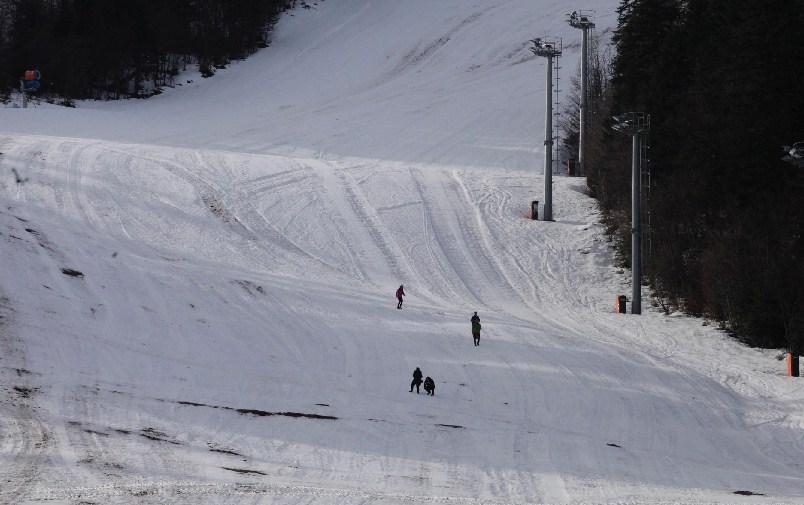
[635,124]
[548,49]
[582,20]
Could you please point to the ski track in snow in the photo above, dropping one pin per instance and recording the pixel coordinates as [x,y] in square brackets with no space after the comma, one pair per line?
[24,437]
[461,242]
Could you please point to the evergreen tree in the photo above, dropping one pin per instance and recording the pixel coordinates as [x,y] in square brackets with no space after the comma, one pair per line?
[722,87]
[102,48]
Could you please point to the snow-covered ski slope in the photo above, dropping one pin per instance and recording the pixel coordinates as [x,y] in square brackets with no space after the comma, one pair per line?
[197,292]
[446,82]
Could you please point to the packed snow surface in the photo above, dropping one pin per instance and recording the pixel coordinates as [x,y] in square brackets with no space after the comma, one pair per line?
[197,293]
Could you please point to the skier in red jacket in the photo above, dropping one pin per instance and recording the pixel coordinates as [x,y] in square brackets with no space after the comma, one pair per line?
[399,294]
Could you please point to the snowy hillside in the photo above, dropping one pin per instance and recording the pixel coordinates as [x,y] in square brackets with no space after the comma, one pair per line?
[448,82]
[197,300]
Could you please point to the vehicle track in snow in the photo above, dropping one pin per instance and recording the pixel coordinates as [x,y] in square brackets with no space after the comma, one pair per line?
[441,250]
[368,217]
[221,199]
[245,492]
[24,443]
[355,227]
[489,208]
[75,174]
[458,243]
[24,439]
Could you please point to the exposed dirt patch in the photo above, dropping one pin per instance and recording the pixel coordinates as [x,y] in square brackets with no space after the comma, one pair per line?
[224,450]
[255,412]
[194,404]
[24,391]
[244,470]
[72,273]
[218,208]
[250,287]
[93,432]
[18,178]
[41,240]
[263,413]
[157,436]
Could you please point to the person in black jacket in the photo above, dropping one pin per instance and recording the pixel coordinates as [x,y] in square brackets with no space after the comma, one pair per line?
[476,328]
[429,386]
[417,380]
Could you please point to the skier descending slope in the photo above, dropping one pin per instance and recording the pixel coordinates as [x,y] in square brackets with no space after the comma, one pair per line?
[399,294]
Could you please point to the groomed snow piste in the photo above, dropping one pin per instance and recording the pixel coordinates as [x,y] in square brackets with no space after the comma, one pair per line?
[197,292]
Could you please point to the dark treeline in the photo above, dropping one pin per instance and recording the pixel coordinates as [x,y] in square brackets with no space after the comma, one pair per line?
[722,83]
[114,48]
